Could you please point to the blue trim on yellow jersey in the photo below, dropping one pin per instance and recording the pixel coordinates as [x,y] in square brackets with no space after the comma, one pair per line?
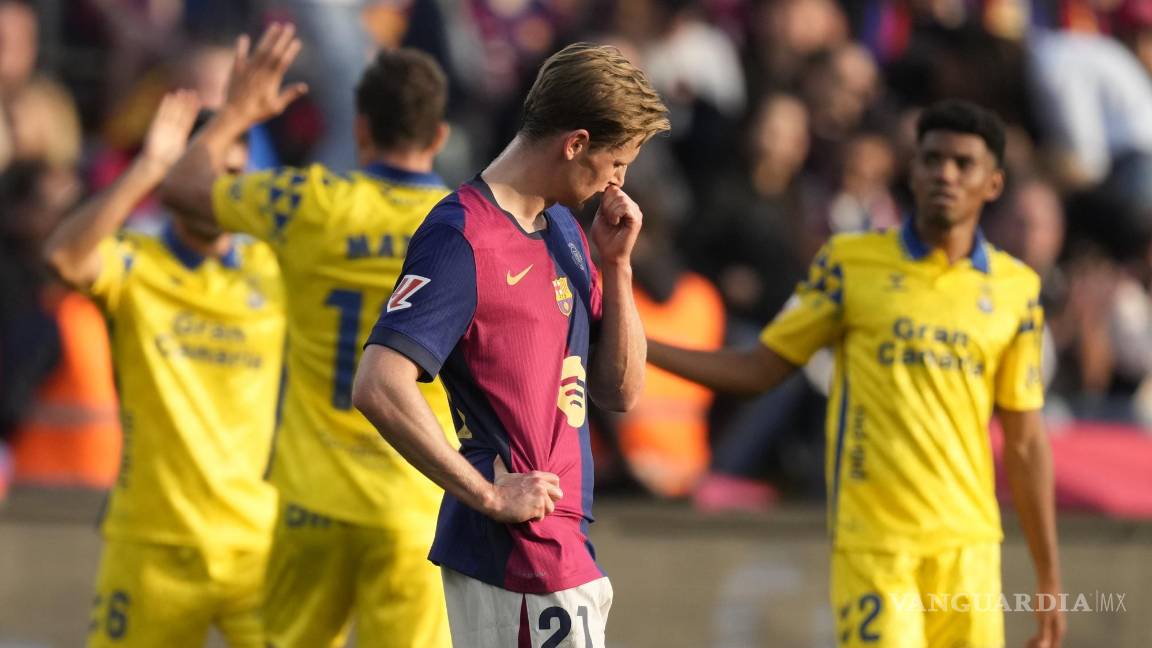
[917,249]
[191,258]
[402,176]
[841,425]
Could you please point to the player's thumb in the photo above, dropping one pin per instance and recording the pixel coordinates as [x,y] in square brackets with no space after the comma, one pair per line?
[498,467]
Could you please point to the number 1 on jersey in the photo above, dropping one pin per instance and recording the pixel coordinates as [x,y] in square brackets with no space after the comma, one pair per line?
[349,303]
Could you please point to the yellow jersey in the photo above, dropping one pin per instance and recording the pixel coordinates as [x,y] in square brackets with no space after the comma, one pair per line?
[341,241]
[924,350]
[198,345]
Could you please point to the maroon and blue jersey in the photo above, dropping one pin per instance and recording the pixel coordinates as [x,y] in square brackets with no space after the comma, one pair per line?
[505,317]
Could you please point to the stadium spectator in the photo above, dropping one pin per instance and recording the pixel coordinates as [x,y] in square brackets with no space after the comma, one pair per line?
[1096,99]
[1133,27]
[665,438]
[38,119]
[66,432]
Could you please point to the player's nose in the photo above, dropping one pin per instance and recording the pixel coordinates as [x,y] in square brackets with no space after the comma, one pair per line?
[618,177]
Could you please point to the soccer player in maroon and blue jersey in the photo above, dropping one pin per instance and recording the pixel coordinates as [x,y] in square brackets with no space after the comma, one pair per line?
[500,298]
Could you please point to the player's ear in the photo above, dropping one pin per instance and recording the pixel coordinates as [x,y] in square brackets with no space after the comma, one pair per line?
[443,131]
[995,185]
[575,143]
[363,134]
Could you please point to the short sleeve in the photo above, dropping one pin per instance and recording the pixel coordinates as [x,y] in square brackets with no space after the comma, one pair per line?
[117,257]
[268,204]
[434,301]
[1019,380]
[812,318]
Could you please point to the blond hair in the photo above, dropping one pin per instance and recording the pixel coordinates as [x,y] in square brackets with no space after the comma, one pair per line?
[593,87]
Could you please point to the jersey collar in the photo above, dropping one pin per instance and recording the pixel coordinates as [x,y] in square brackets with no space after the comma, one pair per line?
[191,258]
[917,249]
[403,176]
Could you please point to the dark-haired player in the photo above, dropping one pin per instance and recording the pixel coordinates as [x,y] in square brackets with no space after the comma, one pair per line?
[355,519]
[932,329]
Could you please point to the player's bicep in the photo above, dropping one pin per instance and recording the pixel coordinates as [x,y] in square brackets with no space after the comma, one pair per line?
[434,301]
[380,370]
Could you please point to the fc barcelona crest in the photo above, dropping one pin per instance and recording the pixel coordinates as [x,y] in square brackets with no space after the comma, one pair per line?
[563,295]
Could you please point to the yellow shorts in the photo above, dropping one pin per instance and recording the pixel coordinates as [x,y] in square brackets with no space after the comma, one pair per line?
[902,600]
[150,595]
[321,570]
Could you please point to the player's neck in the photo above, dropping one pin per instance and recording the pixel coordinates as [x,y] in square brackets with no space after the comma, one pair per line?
[520,181]
[955,240]
[414,161]
[215,248]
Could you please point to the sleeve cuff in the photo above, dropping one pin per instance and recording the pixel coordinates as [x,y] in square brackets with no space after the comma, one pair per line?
[785,351]
[428,363]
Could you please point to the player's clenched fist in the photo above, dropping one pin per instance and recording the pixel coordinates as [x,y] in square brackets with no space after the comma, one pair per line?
[521,497]
[616,226]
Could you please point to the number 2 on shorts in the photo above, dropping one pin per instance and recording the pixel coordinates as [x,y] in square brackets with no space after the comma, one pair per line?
[565,626]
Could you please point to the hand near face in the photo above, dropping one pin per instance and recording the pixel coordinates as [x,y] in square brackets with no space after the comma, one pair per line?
[616,226]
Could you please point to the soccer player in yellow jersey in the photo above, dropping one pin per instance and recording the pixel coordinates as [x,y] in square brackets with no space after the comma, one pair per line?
[932,329]
[197,341]
[356,519]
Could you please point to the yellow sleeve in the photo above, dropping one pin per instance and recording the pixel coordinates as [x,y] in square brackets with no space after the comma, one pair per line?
[1019,381]
[118,255]
[271,205]
[812,318]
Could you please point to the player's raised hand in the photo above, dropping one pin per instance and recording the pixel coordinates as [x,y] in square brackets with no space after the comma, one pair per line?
[523,497]
[616,226]
[168,135]
[254,88]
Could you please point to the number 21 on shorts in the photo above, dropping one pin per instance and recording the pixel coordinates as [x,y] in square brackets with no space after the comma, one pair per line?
[559,623]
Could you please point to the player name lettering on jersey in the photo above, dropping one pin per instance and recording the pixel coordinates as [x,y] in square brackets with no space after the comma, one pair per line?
[360,246]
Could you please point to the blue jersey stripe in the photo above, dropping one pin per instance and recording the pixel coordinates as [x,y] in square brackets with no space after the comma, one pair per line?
[841,425]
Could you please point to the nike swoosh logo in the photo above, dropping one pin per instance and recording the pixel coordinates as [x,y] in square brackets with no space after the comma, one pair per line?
[514,279]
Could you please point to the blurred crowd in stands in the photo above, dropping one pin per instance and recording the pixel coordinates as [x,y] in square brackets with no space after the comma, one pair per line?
[792,120]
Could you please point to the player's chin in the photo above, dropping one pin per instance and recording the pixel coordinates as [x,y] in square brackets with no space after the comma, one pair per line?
[940,217]
[587,204]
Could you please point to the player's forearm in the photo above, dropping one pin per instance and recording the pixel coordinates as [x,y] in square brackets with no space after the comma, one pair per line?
[735,371]
[404,419]
[1028,463]
[621,353]
[72,249]
[187,189]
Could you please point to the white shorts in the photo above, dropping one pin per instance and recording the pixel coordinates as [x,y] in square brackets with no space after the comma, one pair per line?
[485,616]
